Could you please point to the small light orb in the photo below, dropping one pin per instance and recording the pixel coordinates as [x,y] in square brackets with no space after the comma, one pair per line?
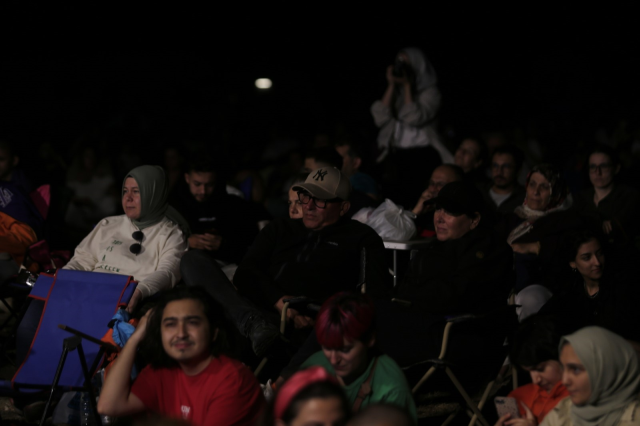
[263,83]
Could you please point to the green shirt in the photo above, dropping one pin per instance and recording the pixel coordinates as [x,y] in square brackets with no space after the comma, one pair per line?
[388,384]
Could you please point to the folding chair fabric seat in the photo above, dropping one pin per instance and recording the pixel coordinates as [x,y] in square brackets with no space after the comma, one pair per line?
[83,300]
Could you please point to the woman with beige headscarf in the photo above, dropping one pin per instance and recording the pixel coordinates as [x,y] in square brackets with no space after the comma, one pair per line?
[602,375]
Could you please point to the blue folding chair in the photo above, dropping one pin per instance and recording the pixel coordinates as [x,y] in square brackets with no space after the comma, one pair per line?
[77,302]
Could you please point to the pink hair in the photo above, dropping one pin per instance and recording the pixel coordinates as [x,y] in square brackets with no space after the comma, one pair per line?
[344,315]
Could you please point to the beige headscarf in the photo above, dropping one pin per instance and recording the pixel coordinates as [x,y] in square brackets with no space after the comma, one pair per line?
[614,373]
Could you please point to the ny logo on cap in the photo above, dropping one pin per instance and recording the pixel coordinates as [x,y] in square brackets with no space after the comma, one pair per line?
[320,174]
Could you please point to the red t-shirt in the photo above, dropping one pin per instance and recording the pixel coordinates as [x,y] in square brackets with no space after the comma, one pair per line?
[539,401]
[224,393]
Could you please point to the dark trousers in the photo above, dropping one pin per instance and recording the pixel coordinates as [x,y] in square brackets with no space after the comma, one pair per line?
[198,268]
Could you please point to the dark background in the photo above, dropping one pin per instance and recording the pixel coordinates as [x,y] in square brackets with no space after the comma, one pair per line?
[149,78]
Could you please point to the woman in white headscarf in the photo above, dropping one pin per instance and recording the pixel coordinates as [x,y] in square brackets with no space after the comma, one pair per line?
[406,118]
[602,375]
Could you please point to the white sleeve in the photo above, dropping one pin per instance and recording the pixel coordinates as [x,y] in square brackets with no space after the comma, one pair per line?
[167,274]
[83,258]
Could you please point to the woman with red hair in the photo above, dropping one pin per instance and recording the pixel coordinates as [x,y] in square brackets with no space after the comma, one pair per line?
[345,330]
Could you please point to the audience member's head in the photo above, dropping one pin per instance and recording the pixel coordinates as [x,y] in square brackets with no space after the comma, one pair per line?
[535,349]
[441,175]
[310,397]
[506,162]
[144,195]
[546,189]
[201,177]
[167,344]
[604,165]
[351,158]
[382,415]
[470,154]
[8,160]
[324,197]
[322,157]
[295,208]
[459,207]
[585,255]
[345,330]
[601,373]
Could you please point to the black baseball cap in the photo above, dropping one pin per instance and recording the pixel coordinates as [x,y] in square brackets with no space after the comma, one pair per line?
[460,198]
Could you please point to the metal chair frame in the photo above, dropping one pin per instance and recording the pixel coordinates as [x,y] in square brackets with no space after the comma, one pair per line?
[441,363]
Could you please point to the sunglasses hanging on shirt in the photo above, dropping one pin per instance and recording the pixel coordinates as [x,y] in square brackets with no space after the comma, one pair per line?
[136,248]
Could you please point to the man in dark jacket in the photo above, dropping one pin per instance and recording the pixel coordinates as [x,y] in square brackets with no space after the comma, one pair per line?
[468,269]
[313,257]
[223,225]
[503,194]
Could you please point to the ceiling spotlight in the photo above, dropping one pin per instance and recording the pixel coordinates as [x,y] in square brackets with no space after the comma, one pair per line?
[263,83]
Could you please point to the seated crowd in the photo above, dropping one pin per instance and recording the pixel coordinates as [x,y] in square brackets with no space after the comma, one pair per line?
[345,352]
[226,283]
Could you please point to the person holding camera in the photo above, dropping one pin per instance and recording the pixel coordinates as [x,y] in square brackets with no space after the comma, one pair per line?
[408,142]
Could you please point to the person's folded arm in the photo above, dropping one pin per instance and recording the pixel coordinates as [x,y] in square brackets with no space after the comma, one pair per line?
[381,113]
[422,110]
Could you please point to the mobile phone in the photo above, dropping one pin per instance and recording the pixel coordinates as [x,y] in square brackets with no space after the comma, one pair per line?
[507,405]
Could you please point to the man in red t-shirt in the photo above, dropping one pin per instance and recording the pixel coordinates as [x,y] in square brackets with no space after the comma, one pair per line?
[188,378]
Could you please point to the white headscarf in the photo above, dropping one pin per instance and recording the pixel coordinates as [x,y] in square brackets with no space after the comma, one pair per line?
[614,374]
[425,74]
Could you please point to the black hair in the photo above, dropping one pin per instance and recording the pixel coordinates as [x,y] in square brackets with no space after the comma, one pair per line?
[151,346]
[323,389]
[535,341]
[327,156]
[573,240]
[513,151]
[201,163]
[608,151]
[483,152]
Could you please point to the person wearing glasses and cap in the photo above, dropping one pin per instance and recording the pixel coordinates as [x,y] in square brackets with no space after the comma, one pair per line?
[315,257]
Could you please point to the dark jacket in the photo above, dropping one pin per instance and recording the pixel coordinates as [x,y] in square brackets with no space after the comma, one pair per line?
[289,259]
[550,231]
[615,307]
[507,206]
[473,273]
[621,207]
[233,218]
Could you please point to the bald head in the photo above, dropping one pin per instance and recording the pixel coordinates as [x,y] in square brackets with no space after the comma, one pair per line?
[441,176]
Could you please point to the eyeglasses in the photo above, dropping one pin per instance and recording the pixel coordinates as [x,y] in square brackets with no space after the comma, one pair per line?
[604,167]
[304,198]
[136,248]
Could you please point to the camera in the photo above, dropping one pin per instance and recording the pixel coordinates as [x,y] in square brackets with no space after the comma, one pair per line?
[401,69]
